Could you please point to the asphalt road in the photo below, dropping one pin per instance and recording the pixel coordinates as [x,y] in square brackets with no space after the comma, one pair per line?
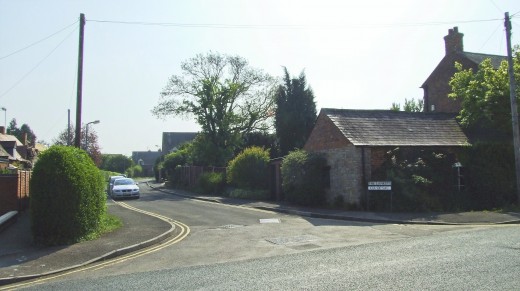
[232,248]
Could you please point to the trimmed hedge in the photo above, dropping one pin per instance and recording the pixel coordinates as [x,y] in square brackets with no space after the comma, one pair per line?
[67,198]
[249,169]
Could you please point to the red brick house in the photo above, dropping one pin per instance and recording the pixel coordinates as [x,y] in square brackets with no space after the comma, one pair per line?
[355,142]
[436,87]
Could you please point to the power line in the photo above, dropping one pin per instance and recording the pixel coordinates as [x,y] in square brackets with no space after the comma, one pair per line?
[286,26]
[37,42]
[37,65]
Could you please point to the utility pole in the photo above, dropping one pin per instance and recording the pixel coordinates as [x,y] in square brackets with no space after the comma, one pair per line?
[68,127]
[514,108]
[77,141]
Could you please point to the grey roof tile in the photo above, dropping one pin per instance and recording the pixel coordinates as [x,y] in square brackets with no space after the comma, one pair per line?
[397,128]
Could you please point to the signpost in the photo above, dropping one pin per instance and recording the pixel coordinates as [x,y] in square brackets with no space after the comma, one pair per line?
[380,186]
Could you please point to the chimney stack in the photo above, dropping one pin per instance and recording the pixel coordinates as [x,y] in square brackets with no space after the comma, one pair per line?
[24,139]
[2,130]
[453,41]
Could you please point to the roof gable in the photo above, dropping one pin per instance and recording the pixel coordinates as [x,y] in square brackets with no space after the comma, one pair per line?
[397,128]
[472,59]
[171,140]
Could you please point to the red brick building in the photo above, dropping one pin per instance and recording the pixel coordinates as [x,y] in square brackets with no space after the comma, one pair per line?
[436,87]
[355,142]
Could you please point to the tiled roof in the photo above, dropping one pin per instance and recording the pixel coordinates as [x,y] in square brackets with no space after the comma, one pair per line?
[397,128]
[8,137]
[479,58]
[148,157]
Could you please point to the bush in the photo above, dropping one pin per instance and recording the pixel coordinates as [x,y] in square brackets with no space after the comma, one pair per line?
[249,194]
[249,169]
[422,180]
[211,183]
[490,175]
[172,161]
[67,199]
[134,171]
[303,178]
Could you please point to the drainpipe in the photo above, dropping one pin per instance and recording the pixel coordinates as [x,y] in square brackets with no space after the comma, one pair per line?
[363,175]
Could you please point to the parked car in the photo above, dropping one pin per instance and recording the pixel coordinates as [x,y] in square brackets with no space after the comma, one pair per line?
[111,183]
[125,188]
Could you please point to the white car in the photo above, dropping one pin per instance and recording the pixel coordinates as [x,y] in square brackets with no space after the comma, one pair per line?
[125,188]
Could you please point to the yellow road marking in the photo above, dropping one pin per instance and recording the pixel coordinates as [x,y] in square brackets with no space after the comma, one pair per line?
[185,230]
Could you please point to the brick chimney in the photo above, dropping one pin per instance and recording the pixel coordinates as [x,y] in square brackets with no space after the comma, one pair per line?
[2,130]
[24,139]
[453,41]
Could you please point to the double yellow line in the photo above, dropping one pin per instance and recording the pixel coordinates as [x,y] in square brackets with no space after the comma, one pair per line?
[183,233]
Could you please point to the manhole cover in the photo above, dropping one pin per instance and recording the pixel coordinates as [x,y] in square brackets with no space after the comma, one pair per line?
[292,239]
[270,220]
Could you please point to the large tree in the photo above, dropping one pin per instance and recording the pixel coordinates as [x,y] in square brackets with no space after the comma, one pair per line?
[19,132]
[295,112]
[485,95]
[411,105]
[90,145]
[227,97]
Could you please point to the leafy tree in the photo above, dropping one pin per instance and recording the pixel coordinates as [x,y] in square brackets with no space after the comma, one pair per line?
[295,112]
[411,105]
[264,140]
[116,163]
[93,149]
[227,97]
[19,132]
[485,95]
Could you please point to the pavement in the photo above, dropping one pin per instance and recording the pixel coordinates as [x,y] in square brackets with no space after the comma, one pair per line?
[21,259]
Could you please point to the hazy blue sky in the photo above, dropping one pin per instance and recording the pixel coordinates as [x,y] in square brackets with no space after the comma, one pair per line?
[356,54]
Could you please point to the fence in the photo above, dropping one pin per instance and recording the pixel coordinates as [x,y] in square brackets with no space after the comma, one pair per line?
[14,191]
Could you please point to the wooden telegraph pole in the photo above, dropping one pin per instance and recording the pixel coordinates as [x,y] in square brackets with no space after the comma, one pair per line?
[514,108]
[77,140]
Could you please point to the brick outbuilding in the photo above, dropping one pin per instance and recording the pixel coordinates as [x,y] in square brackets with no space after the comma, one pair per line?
[355,143]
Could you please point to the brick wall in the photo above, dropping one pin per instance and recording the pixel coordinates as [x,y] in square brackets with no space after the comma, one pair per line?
[325,135]
[437,88]
[14,191]
[345,173]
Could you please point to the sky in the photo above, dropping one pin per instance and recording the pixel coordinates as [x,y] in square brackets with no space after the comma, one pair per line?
[355,54]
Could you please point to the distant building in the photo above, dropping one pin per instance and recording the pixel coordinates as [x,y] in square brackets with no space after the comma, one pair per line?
[146,159]
[172,140]
[16,151]
[436,87]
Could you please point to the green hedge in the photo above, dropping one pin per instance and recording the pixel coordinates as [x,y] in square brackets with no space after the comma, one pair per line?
[67,199]
[249,169]
[211,183]
[303,176]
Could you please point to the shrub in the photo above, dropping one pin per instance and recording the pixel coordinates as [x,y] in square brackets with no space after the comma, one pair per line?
[422,180]
[211,183]
[303,178]
[249,169]
[490,175]
[67,199]
[172,161]
[134,171]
